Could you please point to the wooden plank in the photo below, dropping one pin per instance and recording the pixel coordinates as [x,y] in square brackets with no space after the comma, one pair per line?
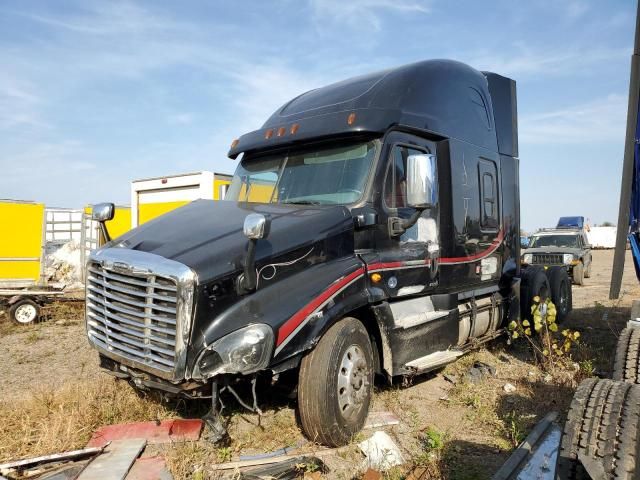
[115,462]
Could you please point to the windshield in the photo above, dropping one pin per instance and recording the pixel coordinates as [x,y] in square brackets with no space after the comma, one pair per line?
[320,176]
[567,241]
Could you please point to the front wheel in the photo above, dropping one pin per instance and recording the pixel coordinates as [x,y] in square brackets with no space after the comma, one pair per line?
[578,274]
[336,384]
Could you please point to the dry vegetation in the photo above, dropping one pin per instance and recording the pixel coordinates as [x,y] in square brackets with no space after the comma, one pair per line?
[52,397]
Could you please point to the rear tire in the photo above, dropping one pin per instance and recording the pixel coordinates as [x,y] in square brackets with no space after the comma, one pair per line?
[561,294]
[626,366]
[534,283]
[578,274]
[24,312]
[335,385]
[602,426]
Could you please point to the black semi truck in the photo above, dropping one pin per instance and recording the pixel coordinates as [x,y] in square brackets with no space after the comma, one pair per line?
[371,228]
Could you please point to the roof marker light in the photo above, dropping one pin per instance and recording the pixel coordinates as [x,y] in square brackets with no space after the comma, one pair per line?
[351,118]
[268,134]
[281,131]
[294,128]
[235,143]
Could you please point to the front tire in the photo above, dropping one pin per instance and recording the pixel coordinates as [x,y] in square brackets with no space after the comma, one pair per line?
[335,386]
[587,272]
[534,284]
[578,274]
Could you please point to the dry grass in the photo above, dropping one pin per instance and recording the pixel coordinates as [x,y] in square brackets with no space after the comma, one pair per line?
[55,420]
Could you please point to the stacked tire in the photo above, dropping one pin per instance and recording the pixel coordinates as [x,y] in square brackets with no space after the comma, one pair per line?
[601,437]
[625,368]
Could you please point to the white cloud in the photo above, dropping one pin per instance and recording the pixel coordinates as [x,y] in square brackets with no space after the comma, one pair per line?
[180,118]
[548,62]
[364,14]
[600,120]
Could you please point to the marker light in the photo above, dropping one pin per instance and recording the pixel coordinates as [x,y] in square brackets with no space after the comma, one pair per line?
[351,118]
[294,128]
[376,277]
[268,134]
[281,131]
[234,144]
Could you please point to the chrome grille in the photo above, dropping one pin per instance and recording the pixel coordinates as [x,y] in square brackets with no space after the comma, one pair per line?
[137,309]
[547,259]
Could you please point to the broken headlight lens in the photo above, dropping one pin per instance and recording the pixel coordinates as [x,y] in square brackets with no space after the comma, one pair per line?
[244,351]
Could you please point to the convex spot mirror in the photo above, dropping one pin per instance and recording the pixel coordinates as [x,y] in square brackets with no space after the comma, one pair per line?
[102,212]
[421,180]
[256,226]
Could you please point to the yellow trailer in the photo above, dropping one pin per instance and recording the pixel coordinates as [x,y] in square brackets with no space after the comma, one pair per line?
[152,197]
[21,243]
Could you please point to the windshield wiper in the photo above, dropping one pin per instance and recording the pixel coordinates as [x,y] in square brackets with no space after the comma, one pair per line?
[303,202]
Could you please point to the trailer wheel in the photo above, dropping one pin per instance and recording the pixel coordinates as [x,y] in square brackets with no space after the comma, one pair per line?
[336,383]
[561,294]
[626,364]
[578,274]
[600,436]
[534,283]
[24,311]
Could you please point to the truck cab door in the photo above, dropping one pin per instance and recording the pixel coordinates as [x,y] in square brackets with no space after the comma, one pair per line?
[407,258]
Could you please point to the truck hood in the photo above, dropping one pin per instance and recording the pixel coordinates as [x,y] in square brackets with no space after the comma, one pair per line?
[207,236]
[574,251]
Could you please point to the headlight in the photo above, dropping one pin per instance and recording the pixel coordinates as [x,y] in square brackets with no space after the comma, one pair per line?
[244,351]
[527,257]
[567,258]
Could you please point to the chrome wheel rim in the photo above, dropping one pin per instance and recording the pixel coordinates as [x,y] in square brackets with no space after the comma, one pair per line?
[353,382]
[25,313]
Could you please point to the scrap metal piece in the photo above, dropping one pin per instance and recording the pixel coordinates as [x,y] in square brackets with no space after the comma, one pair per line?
[115,462]
[166,431]
[535,458]
[56,457]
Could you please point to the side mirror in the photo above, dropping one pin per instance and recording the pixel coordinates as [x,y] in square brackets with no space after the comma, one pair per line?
[256,226]
[421,180]
[102,212]
[589,246]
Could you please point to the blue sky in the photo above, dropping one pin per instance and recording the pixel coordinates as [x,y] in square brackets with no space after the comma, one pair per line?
[96,93]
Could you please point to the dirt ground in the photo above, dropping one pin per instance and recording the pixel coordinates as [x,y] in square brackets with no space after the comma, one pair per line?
[453,427]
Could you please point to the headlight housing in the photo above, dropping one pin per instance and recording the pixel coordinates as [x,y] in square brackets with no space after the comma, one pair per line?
[567,258]
[245,351]
[527,257]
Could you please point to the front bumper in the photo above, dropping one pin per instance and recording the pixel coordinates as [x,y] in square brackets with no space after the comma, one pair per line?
[146,381]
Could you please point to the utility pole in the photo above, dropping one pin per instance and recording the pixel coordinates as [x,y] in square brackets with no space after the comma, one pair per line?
[627,166]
